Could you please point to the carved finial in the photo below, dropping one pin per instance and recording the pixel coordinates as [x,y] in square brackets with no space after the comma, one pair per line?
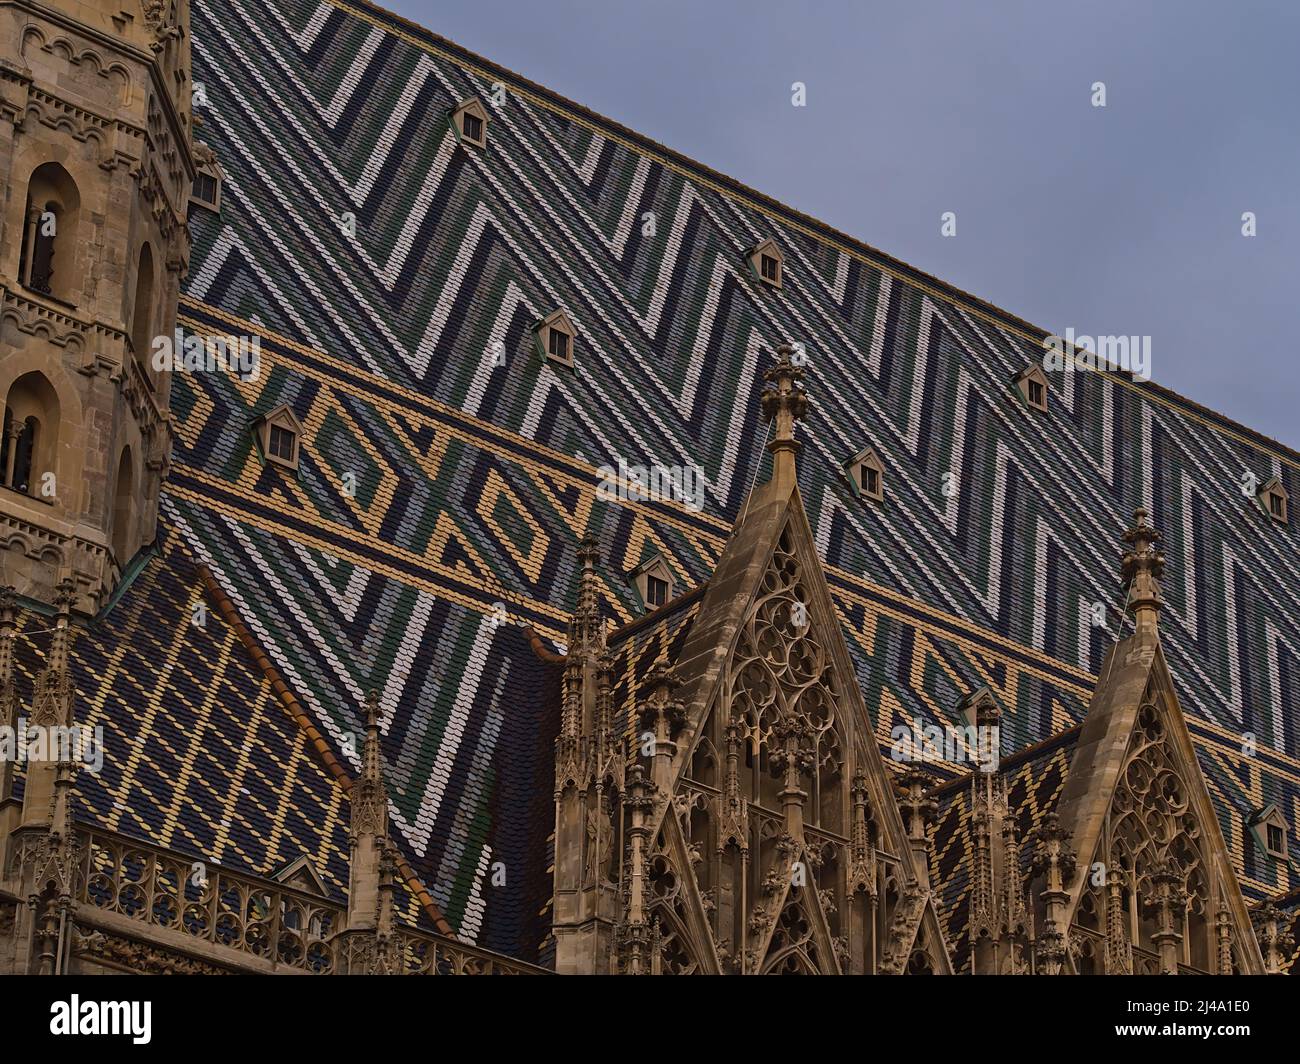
[785,402]
[1143,567]
[585,626]
[987,718]
[369,798]
[589,552]
[1275,941]
[371,767]
[8,622]
[369,827]
[918,808]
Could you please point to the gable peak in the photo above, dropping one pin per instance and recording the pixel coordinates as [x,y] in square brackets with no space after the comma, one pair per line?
[784,402]
[1142,568]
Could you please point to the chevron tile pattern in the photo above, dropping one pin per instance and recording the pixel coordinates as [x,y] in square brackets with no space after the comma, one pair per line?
[448,469]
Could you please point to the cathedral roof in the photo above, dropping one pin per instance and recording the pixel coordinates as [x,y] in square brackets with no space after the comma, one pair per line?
[438,480]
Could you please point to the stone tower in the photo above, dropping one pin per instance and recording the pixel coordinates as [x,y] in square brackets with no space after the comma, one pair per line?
[97,168]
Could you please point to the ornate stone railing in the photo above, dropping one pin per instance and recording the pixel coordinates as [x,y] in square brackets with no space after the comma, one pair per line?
[277,924]
[270,921]
[425,954]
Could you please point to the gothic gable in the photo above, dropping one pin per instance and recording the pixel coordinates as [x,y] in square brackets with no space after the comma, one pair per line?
[799,848]
[1154,890]
[762,831]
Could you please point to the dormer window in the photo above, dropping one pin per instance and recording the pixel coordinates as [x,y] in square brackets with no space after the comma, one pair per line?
[1031,382]
[206,190]
[279,434]
[656,591]
[1269,828]
[867,474]
[557,346]
[470,121]
[283,444]
[767,263]
[555,334]
[654,581]
[1273,497]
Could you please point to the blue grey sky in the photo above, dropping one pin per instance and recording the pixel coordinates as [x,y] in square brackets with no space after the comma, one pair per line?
[1119,220]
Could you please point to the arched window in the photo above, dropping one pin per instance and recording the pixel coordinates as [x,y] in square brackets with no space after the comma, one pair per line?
[123,494]
[31,431]
[50,233]
[20,445]
[142,317]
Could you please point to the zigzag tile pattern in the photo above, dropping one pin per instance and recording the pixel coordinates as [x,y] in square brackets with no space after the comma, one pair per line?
[473,480]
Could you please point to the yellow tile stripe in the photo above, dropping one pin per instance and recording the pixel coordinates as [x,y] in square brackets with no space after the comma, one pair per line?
[472,432]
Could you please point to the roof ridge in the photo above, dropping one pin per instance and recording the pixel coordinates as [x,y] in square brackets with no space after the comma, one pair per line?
[1014,760]
[398,25]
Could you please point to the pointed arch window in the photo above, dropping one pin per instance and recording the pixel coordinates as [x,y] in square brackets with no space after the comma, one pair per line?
[50,233]
[31,429]
[142,314]
[123,506]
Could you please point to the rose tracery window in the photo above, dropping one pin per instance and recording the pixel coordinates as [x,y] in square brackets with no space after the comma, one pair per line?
[1154,849]
[781,671]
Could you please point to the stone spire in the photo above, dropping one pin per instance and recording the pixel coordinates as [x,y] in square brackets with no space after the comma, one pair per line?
[1167,904]
[998,916]
[50,892]
[791,758]
[1223,940]
[1143,566]
[589,782]
[586,629]
[635,932]
[54,870]
[8,692]
[785,402]
[369,828]
[51,708]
